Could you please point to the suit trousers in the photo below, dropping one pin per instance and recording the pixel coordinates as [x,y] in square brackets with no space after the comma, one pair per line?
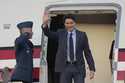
[71,73]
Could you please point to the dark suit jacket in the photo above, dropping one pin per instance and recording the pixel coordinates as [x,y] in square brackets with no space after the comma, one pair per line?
[81,45]
[24,60]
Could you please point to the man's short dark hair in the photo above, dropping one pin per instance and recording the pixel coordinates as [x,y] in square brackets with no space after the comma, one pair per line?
[69,16]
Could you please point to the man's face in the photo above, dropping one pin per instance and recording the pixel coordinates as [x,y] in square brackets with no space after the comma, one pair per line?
[28,30]
[69,23]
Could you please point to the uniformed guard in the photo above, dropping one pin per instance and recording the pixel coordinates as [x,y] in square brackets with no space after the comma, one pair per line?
[24,51]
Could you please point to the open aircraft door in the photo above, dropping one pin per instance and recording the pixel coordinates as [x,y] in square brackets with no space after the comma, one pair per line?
[91,7]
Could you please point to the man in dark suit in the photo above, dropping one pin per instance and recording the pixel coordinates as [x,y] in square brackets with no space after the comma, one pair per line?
[24,52]
[71,44]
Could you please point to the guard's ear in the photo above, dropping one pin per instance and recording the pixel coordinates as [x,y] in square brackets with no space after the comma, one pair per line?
[20,30]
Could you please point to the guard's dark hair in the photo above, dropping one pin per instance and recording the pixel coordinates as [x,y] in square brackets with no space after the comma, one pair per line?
[69,16]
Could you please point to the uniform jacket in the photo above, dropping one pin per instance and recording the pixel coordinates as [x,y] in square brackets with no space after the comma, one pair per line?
[24,60]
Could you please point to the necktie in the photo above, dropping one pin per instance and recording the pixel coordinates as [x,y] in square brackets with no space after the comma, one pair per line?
[71,48]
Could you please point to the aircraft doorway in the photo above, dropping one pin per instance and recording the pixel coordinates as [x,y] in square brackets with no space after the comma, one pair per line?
[100,29]
[55,25]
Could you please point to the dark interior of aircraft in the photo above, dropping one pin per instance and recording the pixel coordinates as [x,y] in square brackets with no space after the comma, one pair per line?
[55,25]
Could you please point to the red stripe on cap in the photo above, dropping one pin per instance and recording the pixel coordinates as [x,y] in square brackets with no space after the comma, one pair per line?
[120,75]
[121,56]
[10,54]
